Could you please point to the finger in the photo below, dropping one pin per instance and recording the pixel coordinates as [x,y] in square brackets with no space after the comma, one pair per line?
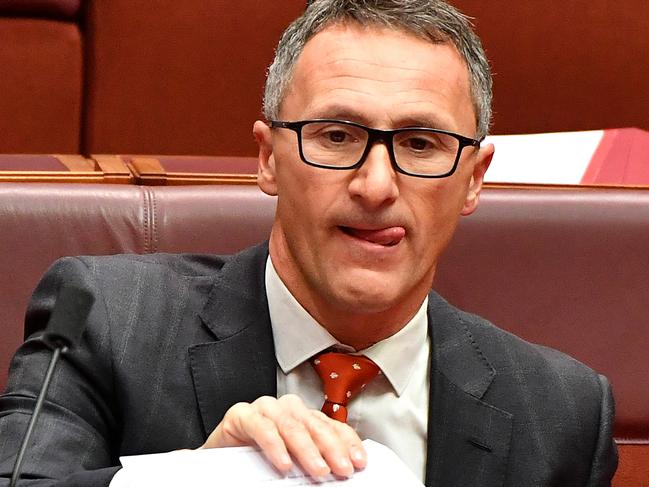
[265,434]
[228,431]
[301,445]
[349,437]
[289,415]
[348,446]
[337,443]
[258,426]
[243,424]
[333,442]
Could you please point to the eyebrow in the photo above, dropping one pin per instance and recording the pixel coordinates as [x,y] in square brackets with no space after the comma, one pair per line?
[340,112]
[425,120]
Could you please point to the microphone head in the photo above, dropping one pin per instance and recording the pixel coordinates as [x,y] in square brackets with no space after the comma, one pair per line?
[68,319]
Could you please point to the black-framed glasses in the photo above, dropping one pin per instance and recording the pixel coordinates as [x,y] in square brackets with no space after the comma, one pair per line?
[415,151]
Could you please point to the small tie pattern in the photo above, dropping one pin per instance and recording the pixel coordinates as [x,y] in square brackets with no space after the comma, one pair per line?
[342,375]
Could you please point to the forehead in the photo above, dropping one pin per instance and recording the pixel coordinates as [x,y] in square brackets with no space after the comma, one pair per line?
[380,76]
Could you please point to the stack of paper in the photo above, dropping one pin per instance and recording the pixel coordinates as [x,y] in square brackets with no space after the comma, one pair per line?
[246,466]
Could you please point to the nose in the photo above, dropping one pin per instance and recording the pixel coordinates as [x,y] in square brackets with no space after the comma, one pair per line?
[374,184]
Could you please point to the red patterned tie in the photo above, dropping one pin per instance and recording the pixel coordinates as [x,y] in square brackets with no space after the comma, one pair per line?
[342,376]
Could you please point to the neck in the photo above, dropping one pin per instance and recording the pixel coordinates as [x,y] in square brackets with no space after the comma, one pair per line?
[361,331]
[357,314]
[355,324]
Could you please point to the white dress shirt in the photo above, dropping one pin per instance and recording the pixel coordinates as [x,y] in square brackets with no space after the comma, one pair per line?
[393,408]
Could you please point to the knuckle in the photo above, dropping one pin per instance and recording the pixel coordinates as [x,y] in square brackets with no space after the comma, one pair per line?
[230,427]
[322,417]
[321,427]
[343,428]
[290,427]
[265,405]
[234,415]
[266,436]
[346,431]
[264,401]
[236,411]
[291,401]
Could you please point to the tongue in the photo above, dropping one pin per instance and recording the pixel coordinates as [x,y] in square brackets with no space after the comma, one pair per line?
[384,236]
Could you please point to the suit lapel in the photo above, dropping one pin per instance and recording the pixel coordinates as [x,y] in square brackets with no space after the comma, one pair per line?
[241,364]
[468,439]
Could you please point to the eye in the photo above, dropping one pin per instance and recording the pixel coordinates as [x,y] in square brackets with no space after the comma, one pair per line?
[336,136]
[419,144]
[332,135]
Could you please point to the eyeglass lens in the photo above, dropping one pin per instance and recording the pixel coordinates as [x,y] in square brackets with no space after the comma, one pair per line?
[418,151]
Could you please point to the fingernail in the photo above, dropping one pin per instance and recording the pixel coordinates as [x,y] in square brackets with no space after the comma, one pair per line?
[357,454]
[285,459]
[320,463]
[344,463]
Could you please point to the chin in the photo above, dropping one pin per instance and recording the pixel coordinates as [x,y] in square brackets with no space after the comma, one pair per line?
[368,299]
[366,291]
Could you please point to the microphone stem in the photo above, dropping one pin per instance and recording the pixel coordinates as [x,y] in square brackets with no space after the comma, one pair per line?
[37,409]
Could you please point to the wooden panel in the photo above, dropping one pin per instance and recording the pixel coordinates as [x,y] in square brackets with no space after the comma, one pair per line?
[152,171]
[565,66]
[64,169]
[41,86]
[180,78]
[633,469]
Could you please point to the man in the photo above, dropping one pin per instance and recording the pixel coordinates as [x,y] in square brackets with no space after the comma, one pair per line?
[376,111]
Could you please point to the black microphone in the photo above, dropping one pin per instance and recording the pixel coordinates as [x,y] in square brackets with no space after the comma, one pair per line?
[62,333]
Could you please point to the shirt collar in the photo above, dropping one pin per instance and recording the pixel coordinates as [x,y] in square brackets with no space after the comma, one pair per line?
[396,354]
[298,336]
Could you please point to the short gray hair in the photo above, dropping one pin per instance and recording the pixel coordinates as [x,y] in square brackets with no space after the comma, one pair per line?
[433,20]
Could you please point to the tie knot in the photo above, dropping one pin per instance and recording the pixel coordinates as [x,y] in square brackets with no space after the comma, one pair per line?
[342,375]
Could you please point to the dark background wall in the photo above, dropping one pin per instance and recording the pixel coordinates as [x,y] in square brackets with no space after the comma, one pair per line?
[168,77]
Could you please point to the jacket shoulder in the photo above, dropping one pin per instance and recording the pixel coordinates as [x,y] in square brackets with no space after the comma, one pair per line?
[510,354]
[121,280]
[188,265]
[562,410]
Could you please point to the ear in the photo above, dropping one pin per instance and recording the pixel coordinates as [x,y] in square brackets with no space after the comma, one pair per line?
[483,159]
[266,161]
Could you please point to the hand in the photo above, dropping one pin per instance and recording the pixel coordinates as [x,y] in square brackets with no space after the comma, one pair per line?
[284,427]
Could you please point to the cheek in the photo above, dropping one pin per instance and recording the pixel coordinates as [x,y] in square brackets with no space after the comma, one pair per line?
[304,198]
[308,189]
[436,213]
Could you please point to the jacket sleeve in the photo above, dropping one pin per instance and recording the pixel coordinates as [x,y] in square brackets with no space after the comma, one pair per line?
[75,439]
[605,453]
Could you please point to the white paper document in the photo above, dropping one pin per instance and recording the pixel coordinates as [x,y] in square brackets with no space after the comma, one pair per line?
[246,466]
[555,158]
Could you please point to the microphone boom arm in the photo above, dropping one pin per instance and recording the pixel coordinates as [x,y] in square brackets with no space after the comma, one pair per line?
[37,409]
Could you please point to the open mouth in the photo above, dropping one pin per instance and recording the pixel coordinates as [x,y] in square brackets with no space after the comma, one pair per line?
[387,237]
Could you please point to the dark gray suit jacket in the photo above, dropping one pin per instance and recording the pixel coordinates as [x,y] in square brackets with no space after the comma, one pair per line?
[173,341]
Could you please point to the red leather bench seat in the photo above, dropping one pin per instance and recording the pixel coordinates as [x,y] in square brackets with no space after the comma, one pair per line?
[565,267]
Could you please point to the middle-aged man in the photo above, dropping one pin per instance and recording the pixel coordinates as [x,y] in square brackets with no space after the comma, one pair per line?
[376,111]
